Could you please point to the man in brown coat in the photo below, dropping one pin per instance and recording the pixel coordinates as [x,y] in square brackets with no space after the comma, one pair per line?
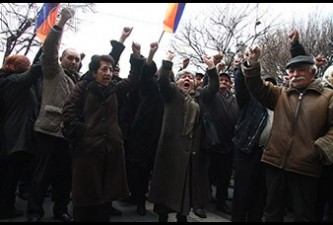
[300,142]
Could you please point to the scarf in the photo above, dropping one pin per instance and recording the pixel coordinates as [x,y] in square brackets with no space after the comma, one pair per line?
[191,109]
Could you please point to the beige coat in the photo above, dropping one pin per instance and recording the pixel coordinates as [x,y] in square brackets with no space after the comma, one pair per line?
[57,85]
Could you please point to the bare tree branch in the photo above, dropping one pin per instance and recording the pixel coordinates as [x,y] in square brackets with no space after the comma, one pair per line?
[225,30]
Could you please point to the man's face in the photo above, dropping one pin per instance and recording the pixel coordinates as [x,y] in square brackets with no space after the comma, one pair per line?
[71,60]
[198,80]
[300,76]
[186,83]
[116,71]
[225,83]
[104,73]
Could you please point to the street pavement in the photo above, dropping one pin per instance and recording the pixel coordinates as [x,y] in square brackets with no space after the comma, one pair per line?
[128,213]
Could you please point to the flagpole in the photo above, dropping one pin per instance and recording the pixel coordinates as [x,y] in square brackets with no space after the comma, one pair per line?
[159,40]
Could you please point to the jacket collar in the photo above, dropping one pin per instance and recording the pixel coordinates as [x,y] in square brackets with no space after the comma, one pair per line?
[316,86]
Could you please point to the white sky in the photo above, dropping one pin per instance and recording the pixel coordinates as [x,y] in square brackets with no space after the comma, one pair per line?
[97,29]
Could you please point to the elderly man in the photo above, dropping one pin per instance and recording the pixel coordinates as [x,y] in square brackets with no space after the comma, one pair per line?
[300,143]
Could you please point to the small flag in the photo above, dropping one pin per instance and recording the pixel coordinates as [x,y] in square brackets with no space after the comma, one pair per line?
[173,15]
[46,19]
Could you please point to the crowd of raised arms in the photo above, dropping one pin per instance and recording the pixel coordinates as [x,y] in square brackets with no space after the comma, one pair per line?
[164,137]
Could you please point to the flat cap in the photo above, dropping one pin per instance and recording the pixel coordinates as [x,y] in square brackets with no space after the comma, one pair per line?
[300,60]
[225,74]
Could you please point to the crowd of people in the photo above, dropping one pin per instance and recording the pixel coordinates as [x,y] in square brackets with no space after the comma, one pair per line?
[96,138]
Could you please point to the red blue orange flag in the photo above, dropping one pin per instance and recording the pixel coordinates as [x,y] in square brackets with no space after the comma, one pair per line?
[173,15]
[46,19]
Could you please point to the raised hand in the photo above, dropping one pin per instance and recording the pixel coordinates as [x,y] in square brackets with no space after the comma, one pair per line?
[252,54]
[152,51]
[293,37]
[136,48]
[66,14]
[125,34]
[209,61]
[217,58]
[320,60]
[186,61]
[170,55]
[220,66]
[82,55]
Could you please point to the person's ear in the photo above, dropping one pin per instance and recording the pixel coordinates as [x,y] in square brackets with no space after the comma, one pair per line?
[314,71]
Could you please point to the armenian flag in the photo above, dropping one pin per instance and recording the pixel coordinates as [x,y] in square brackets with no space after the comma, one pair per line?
[173,15]
[46,19]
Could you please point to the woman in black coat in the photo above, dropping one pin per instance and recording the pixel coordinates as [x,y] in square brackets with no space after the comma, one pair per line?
[145,131]
[18,111]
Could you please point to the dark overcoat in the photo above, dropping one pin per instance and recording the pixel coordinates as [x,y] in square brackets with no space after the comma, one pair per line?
[179,173]
[147,122]
[90,117]
[18,111]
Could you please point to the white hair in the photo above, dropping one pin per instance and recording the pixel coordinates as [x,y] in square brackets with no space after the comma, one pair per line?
[180,73]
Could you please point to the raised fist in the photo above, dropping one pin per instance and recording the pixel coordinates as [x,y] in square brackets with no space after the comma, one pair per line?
[153,47]
[136,48]
[252,54]
[67,13]
[186,61]
[125,33]
[320,60]
[170,55]
[217,58]
[220,66]
[152,51]
[209,61]
[293,37]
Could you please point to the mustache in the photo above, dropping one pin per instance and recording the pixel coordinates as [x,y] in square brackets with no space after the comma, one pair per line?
[297,79]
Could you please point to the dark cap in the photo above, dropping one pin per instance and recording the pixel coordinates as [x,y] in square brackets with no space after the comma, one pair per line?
[300,60]
[225,74]
[198,74]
